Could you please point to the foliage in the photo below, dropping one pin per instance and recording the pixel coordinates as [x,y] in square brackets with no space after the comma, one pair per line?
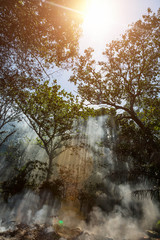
[35,30]
[129,77]
[56,187]
[8,117]
[22,179]
[11,156]
[35,36]
[126,83]
[144,193]
[51,113]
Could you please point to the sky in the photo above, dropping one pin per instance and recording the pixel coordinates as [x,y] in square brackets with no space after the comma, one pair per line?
[105,21]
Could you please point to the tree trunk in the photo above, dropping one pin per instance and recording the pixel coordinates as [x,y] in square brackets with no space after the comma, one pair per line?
[49,171]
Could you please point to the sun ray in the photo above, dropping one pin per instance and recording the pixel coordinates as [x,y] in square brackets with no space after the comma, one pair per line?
[64,7]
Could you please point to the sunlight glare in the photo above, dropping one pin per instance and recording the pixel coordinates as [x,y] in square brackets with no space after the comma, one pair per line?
[99,17]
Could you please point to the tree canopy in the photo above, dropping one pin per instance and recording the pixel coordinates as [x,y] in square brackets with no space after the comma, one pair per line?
[51,113]
[35,34]
[127,84]
[128,79]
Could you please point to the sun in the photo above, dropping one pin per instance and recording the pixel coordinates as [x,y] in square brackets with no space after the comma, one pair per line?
[99,17]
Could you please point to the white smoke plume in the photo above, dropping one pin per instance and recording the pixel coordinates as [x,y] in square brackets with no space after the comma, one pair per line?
[119,223]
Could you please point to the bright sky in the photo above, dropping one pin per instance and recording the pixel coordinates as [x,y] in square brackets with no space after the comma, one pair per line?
[104,21]
[107,19]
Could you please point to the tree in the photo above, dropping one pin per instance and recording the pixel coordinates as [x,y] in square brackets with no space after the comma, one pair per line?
[32,29]
[36,35]
[51,113]
[128,81]
[8,117]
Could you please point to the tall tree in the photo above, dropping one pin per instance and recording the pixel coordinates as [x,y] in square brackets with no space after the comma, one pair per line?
[128,81]
[51,113]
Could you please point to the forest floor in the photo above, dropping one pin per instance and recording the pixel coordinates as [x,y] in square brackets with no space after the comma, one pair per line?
[43,232]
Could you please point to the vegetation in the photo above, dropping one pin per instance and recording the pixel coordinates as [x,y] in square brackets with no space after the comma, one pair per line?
[128,79]
[37,37]
[23,179]
[8,116]
[36,33]
[51,113]
[127,84]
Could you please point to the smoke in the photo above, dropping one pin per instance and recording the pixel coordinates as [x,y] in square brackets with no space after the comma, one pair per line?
[114,225]
[29,208]
[94,130]
[126,217]
[116,214]
[119,224]
[151,213]
[2,228]
[20,148]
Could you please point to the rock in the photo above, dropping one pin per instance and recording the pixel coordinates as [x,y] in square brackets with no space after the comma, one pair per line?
[25,232]
[66,232]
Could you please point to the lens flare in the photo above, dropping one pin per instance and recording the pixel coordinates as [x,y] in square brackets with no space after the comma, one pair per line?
[60,222]
[64,7]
